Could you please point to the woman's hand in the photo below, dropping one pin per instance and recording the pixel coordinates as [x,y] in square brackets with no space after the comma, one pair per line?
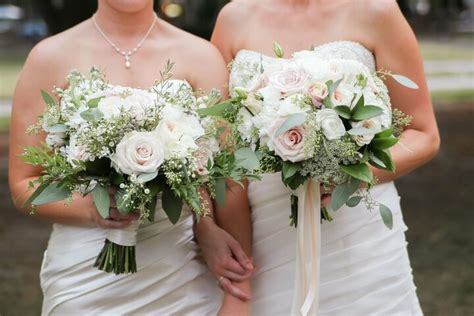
[116,220]
[224,256]
[232,306]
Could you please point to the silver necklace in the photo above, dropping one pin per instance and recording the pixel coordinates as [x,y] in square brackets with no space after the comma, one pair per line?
[125,54]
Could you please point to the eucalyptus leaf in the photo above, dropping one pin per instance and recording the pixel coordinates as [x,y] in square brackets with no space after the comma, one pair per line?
[366,112]
[220,191]
[92,115]
[333,86]
[101,199]
[354,201]
[405,81]
[289,169]
[387,215]
[47,98]
[52,193]
[37,192]
[147,177]
[246,158]
[292,121]
[359,171]
[343,111]
[123,202]
[93,103]
[343,192]
[58,128]
[218,109]
[172,205]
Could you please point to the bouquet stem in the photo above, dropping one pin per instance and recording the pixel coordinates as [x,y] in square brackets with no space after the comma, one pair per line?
[116,258]
[118,253]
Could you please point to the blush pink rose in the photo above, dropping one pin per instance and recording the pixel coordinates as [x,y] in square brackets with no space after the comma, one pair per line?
[289,146]
[289,81]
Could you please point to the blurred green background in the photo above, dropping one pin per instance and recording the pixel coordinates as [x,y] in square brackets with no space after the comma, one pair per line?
[437,199]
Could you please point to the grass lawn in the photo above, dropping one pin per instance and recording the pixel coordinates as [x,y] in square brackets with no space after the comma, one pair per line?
[453,96]
[432,50]
[11,62]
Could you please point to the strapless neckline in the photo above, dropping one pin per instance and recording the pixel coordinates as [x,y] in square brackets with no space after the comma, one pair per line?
[172,81]
[314,48]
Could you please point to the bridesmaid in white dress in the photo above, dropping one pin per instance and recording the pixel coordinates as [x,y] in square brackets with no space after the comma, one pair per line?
[365,269]
[171,278]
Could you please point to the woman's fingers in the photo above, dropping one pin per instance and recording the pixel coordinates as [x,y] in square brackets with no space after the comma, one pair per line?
[236,277]
[240,255]
[111,224]
[114,214]
[233,290]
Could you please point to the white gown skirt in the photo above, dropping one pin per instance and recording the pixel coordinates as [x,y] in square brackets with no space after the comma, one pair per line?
[171,278]
[365,269]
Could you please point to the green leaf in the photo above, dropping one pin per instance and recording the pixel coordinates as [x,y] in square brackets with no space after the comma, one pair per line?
[220,191]
[354,201]
[366,112]
[122,203]
[289,169]
[292,121]
[328,103]
[101,199]
[386,157]
[360,171]
[343,111]
[387,215]
[52,193]
[147,177]
[405,81]
[172,205]
[384,142]
[356,131]
[218,109]
[92,115]
[47,98]
[376,162]
[343,192]
[246,158]
[386,133]
[359,105]
[93,103]
[37,192]
[332,86]
[151,207]
[278,50]
[59,128]
[295,181]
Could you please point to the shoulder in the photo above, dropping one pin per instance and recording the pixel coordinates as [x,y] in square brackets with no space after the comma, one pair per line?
[235,12]
[375,12]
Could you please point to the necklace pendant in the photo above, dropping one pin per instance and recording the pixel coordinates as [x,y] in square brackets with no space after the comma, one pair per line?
[127,62]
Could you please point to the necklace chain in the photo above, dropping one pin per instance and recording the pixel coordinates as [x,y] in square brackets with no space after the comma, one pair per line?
[125,54]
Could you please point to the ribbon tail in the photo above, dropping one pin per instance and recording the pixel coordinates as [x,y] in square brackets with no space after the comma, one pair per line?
[306,296]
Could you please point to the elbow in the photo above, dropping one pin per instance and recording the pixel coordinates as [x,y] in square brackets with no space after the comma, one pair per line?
[17,197]
[434,144]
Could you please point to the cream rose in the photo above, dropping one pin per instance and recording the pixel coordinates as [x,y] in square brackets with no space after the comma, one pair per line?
[138,104]
[289,81]
[204,154]
[331,124]
[374,125]
[342,96]
[76,152]
[138,153]
[111,106]
[289,146]
[318,92]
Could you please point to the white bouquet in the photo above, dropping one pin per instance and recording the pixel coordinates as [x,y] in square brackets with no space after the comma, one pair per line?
[140,142]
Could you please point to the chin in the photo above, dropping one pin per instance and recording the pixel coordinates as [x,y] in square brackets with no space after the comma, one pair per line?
[129,6]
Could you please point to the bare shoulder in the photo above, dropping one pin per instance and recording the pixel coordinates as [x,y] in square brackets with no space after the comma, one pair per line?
[233,13]
[375,11]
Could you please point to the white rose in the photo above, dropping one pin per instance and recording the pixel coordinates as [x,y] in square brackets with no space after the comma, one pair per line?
[331,124]
[270,95]
[253,104]
[292,105]
[138,153]
[373,124]
[246,125]
[111,106]
[204,154]
[76,152]
[289,146]
[318,92]
[289,81]
[55,140]
[343,95]
[138,104]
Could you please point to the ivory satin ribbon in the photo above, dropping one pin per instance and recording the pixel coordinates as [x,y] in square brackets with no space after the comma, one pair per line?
[306,296]
[124,237]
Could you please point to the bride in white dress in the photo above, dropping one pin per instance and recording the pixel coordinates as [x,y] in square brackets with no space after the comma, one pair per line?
[364,267]
[171,278]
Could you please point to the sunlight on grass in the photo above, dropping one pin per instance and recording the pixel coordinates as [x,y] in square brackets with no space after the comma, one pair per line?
[444,51]
[4,124]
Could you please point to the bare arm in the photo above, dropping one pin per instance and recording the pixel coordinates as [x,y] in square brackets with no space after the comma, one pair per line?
[41,71]
[396,49]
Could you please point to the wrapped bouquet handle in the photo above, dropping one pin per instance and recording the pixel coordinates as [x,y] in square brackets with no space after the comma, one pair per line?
[308,250]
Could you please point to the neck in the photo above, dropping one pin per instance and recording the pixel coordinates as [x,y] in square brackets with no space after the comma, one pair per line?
[298,4]
[124,24]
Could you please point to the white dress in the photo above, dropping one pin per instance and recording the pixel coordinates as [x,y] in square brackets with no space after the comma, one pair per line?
[365,269]
[172,278]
